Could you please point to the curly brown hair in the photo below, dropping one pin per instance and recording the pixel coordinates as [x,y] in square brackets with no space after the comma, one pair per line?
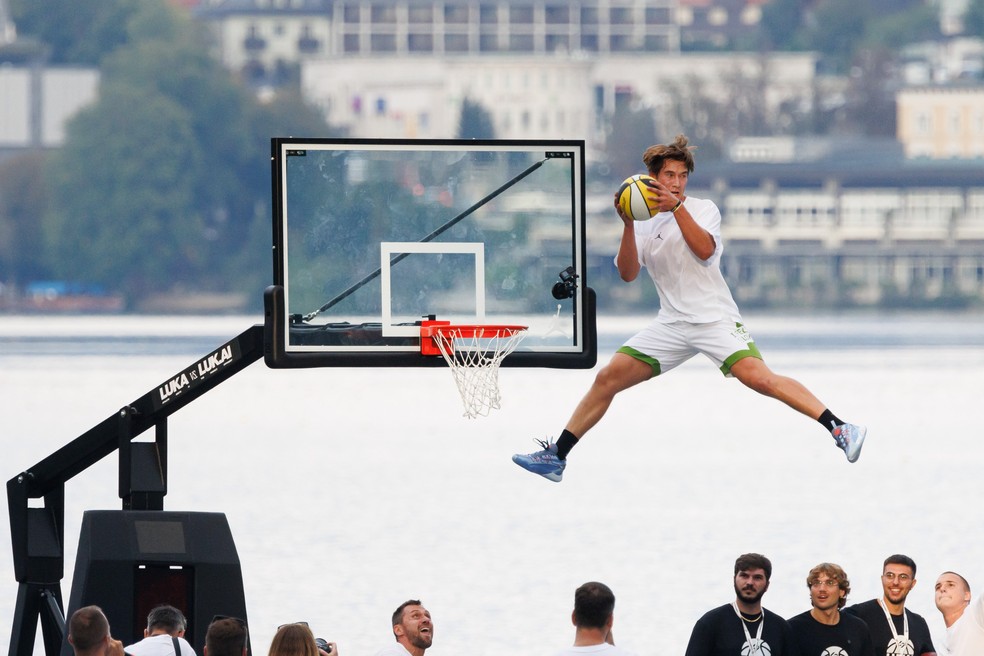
[835,572]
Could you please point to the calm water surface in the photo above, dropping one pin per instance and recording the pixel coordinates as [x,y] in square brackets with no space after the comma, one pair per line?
[351,490]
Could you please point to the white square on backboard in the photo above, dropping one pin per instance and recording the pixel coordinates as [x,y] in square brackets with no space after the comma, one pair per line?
[387,249]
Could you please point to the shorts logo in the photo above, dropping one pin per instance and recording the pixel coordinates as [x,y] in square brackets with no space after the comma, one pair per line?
[741,334]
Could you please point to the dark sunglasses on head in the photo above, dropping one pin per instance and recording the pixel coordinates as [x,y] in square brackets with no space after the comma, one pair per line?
[291,624]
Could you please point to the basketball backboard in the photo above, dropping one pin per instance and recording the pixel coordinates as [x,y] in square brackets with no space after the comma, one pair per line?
[371,237]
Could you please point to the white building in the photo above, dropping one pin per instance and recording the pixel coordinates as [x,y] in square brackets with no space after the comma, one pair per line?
[549,97]
[941,122]
[38,101]
[265,39]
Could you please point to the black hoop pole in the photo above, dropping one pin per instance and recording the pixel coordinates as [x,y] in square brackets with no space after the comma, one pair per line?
[348,292]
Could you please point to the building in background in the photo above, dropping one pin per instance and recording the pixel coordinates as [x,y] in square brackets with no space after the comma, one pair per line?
[942,122]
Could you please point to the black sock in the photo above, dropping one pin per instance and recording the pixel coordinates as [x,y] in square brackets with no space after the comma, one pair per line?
[829,421]
[565,443]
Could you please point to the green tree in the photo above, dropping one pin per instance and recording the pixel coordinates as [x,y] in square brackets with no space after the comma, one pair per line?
[164,182]
[22,201]
[475,121]
[781,22]
[973,19]
[75,31]
[901,27]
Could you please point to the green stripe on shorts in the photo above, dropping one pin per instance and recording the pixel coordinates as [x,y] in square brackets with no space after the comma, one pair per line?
[642,357]
[751,351]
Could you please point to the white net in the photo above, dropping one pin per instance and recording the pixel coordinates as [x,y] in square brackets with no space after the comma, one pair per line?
[473,354]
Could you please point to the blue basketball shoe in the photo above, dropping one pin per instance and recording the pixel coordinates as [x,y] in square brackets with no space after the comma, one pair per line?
[545,463]
[850,438]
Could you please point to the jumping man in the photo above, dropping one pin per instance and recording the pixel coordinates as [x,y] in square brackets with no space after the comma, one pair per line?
[681,249]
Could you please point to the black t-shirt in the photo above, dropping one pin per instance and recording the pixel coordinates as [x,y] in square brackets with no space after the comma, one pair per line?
[920,639]
[849,637]
[719,633]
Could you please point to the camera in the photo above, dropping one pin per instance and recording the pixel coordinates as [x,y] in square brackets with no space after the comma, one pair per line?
[567,287]
[323,645]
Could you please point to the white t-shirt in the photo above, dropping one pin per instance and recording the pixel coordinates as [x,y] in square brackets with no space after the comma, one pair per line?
[395,649]
[690,289]
[159,645]
[965,637]
[603,648]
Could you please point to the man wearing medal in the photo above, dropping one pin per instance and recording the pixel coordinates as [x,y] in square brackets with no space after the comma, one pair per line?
[824,630]
[744,627]
[895,630]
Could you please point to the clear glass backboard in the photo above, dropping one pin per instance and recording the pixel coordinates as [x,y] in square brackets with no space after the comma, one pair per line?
[372,238]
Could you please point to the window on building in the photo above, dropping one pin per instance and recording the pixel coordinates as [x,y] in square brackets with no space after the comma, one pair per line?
[350,43]
[380,106]
[621,43]
[382,43]
[456,14]
[420,42]
[253,41]
[557,43]
[307,43]
[456,42]
[589,42]
[488,14]
[620,16]
[420,14]
[488,42]
[521,15]
[589,16]
[658,16]
[923,123]
[557,14]
[521,42]
[524,120]
[350,13]
[383,13]
[656,43]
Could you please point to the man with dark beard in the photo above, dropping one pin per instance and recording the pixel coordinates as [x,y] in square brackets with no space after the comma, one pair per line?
[743,627]
[894,628]
[413,630]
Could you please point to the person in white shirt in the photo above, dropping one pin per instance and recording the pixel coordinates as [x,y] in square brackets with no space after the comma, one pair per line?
[593,617]
[164,635]
[680,246]
[413,630]
[964,619]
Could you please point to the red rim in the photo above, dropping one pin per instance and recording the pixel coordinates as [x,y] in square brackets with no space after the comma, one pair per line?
[483,331]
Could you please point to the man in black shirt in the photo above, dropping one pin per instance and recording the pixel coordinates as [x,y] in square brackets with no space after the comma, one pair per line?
[824,630]
[895,630]
[743,627]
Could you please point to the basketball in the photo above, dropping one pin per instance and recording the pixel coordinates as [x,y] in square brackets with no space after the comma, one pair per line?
[635,198]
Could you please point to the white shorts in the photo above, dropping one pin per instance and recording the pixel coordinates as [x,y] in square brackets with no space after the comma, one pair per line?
[665,346]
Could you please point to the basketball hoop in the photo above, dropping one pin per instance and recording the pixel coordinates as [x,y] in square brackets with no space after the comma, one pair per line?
[473,354]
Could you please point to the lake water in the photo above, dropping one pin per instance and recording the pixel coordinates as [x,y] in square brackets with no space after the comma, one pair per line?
[351,490]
